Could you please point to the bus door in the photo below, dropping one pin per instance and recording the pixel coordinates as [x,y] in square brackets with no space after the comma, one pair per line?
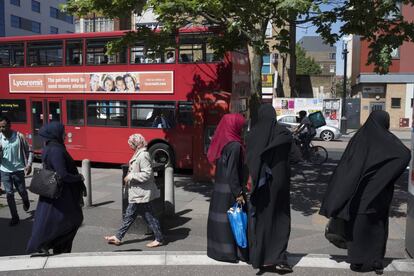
[43,111]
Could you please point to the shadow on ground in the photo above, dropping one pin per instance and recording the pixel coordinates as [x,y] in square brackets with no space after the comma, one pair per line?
[309,183]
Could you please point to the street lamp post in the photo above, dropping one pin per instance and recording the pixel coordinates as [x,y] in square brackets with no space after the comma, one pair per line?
[343,118]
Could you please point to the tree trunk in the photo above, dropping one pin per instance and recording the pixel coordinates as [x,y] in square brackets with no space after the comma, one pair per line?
[256,62]
[292,65]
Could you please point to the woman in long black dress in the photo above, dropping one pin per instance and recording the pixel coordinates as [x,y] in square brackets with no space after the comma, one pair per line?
[57,220]
[268,147]
[226,152]
[361,189]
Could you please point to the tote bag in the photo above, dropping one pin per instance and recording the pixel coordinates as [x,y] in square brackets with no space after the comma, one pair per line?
[238,222]
[46,183]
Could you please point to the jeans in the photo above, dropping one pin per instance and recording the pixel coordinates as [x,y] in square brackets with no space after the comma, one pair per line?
[144,210]
[15,179]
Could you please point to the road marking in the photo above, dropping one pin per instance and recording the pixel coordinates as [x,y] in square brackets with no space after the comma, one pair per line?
[173,258]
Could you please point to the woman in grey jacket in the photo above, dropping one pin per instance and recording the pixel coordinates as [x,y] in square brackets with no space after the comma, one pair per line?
[142,189]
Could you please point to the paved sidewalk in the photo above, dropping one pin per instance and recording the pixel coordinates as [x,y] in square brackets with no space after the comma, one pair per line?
[186,232]
[402,134]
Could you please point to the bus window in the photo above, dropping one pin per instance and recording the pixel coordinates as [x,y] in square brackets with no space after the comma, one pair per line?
[185,113]
[15,110]
[211,55]
[152,114]
[74,52]
[141,54]
[75,113]
[41,53]
[96,53]
[107,113]
[191,49]
[194,48]
[12,55]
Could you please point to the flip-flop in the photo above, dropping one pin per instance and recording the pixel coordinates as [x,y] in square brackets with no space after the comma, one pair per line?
[113,240]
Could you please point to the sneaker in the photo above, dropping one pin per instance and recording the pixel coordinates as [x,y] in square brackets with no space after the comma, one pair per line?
[14,221]
[26,205]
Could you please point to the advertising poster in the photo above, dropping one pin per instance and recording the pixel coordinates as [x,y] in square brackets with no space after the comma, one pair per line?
[331,108]
[332,112]
[107,82]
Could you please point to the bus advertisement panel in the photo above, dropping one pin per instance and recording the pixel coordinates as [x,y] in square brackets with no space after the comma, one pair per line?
[107,82]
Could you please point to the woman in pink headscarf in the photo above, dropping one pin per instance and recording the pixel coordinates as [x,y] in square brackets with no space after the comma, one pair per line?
[141,190]
[227,153]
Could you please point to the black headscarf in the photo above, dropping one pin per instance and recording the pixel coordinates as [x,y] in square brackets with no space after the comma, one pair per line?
[372,149]
[262,139]
[52,132]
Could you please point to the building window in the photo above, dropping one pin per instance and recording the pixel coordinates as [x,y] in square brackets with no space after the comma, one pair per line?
[332,55]
[395,102]
[57,14]
[36,6]
[54,30]
[332,68]
[35,27]
[25,24]
[15,21]
[15,2]
[266,64]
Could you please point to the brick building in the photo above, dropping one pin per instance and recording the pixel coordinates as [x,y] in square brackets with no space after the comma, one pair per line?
[321,85]
[392,92]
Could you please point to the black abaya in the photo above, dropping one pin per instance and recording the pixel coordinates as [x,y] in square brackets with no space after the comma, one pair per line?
[362,186]
[268,145]
[228,185]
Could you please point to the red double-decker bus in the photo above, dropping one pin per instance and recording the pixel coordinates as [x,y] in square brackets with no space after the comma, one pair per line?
[174,98]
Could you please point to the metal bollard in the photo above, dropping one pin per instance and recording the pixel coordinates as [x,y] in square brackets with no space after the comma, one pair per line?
[86,172]
[169,200]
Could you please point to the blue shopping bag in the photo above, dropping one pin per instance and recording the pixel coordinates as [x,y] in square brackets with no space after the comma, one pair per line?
[238,222]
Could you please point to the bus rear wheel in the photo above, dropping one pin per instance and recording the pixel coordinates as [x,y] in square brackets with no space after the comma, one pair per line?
[161,153]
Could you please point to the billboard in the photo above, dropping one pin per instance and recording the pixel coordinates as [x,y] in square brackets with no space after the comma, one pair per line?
[160,82]
[330,108]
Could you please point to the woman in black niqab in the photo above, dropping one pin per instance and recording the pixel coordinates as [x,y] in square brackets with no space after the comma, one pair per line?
[57,220]
[361,189]
[268,147]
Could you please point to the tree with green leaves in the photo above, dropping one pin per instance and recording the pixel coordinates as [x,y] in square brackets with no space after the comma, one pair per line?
[243,24]
[305,65]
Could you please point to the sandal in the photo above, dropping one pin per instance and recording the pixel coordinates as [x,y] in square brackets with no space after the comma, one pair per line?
[113,240]
[153,244]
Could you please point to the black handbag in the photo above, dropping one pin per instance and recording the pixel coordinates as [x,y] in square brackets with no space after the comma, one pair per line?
[335,232]
[46,183]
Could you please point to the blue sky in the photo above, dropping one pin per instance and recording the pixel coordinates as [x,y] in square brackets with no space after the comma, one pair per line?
[311,31]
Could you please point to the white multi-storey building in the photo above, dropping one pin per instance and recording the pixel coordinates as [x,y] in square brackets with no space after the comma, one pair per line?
[29,17]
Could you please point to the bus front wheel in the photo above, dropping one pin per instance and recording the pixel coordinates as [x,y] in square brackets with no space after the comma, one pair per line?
[161,153]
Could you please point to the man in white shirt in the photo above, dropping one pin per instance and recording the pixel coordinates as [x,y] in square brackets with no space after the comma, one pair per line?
[16,161]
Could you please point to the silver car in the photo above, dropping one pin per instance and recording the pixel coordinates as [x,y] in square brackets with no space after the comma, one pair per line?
[326,133]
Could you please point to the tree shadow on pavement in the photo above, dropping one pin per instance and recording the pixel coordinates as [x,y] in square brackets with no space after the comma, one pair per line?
[188,185]
[309,183]
[399,201]
[308,186]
